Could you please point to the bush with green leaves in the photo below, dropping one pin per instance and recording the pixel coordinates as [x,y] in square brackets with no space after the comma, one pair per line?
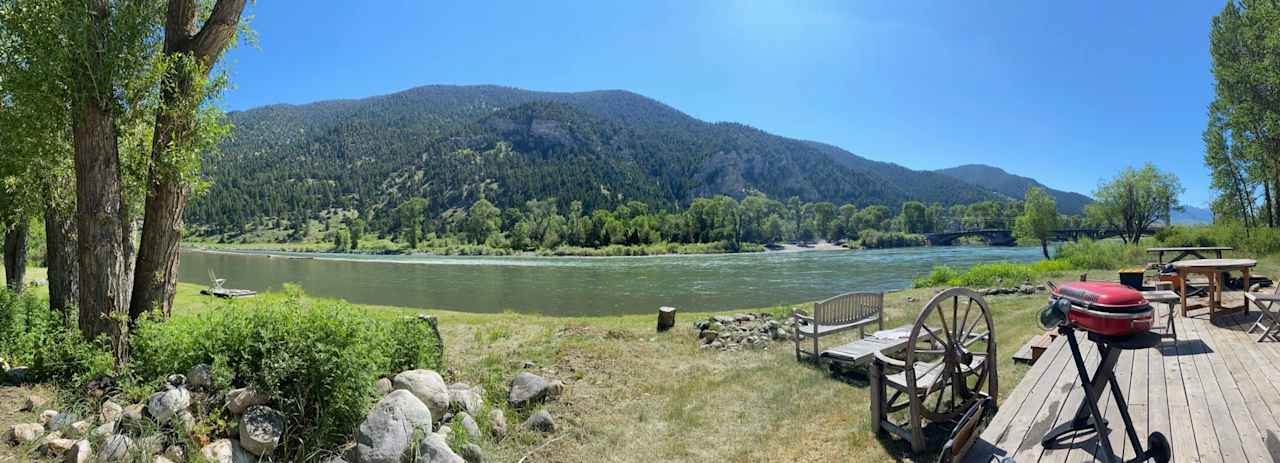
[47,341]
[317,361]
[872,239]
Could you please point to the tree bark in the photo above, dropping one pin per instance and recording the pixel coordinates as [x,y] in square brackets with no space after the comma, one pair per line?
[15,255]
[100,225]
[1044,247]
[60,253]
[156,275]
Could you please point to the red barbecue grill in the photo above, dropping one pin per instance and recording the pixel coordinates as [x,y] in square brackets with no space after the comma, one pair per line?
[1116,318]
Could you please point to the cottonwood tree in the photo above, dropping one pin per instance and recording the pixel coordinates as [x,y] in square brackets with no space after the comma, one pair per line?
[1242,140]
[1135,200]
[1039,218]
[185,126]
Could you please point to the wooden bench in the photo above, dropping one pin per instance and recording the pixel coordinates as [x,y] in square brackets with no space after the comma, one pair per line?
[835,315]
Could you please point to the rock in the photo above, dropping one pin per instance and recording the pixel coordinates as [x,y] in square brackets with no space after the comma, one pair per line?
[434,448]
[62,422]
[176,453]
[103,430]
[469,425]
[25,433]
[723,320]
[133,418]
[164,405]
[176,380]
[464,397]
[239,400]
[33,403]
[497,423]
[471,453]
[701,325]
[540,422]
[56,447]
[708,336]
[383,386]
[46,417]
[334,459]
[428,387]
[528,388]
[80,452]
[161,459]
[186,419]
[388,431]
[742,318]
[115,448]
[200,377]
[226,451]
[260,430]
[110,412]
[81,427]
[527,365]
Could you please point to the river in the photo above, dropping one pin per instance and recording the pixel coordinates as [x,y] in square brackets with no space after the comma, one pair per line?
[587,285]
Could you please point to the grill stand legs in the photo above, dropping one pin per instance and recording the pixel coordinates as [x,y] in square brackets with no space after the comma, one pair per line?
[1089,417]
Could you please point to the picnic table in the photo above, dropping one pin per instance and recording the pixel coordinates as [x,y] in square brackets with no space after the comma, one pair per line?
[1213,269]
[1187,251]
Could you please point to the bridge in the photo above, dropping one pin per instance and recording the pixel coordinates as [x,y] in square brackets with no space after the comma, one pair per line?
[1004,236]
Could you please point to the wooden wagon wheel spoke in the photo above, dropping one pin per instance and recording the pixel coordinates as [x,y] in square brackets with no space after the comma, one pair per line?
[943,376]
[945,329]
[983,336]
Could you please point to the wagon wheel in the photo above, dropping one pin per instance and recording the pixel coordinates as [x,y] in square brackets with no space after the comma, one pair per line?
[952,353]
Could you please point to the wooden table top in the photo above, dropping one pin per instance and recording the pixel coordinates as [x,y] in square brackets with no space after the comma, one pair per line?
[1191,248]
[1221,264]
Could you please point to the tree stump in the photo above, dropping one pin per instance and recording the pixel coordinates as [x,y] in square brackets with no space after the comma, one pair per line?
[666,318]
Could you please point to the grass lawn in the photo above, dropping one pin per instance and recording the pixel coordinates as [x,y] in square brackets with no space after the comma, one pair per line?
[634,395]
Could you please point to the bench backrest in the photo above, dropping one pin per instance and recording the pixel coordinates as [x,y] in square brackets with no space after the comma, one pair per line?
[849,308]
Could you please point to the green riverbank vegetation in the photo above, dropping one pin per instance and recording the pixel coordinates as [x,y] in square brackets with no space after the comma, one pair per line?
[718,224]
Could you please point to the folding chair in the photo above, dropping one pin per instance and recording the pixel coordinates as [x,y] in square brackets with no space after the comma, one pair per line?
[1265,302]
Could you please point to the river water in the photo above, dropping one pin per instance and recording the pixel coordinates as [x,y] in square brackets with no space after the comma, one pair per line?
[588,285]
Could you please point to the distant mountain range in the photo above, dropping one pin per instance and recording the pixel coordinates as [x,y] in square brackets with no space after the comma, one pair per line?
[453,144]
[1014,186]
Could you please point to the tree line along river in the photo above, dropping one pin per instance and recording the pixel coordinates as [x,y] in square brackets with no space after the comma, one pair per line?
[587,285]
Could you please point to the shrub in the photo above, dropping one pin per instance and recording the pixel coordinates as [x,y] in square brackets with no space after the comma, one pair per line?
[35,336]
[1089,254]
[872,239]
[316,361]
[1257,241]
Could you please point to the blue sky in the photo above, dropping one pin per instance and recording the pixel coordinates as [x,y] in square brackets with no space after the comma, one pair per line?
[1064,92]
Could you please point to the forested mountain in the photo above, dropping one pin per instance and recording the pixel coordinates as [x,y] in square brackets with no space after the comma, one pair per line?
[1015,186]
[451,144]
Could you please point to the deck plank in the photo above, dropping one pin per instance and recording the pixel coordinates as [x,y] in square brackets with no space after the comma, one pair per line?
[1215,394]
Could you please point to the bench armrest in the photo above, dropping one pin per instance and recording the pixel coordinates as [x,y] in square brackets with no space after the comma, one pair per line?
[801,315]
[890,361]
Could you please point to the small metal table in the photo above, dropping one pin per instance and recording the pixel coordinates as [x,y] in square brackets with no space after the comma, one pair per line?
[1213,269]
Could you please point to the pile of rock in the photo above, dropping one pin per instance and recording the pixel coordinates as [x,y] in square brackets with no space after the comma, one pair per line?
[418,408]
[751,330]
[1024,288]
[139,431]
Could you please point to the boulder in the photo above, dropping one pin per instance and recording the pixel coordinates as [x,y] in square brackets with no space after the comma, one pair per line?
[103,430]
[540,422]
[497,423]
[161,459]
[33,403]
[115,448]
[133,418]
[529,388]
[81,427]
[434,448]
[57,447]
[186,419]
[226,451]
[383,386]
[62,422]
[469,425]
[200,377]
[388,431]
[164,405]
[466,398]
[260,430]
[80,452]
[239,400]
[110,412]
[471,453]
[25,432]
[46,417]
[427,386]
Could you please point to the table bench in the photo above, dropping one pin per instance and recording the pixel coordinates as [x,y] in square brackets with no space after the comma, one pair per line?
[1187,251]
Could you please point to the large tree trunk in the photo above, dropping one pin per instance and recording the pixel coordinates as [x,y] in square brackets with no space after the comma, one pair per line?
[155,278]
[15,255]
[60,253]
[101,224]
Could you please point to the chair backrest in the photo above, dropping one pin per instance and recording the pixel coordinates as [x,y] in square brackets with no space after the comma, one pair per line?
[848,308]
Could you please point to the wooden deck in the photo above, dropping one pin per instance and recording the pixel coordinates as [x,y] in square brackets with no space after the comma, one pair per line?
[1215,394]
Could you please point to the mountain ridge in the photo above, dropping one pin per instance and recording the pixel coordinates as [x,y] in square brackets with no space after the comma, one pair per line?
[1014,186]
[447,143]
